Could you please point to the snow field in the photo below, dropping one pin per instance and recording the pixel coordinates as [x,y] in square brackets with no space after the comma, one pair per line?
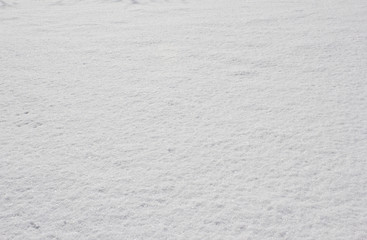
[183,119]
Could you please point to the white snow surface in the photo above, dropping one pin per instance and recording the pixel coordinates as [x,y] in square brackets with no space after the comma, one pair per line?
[190,119]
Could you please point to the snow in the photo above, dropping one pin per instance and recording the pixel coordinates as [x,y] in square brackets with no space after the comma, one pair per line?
[190,119]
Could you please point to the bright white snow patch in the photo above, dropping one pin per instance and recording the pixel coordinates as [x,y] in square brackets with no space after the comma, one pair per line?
[189,119]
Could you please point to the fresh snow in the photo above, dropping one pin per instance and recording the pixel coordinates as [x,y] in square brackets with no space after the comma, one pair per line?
[183,119]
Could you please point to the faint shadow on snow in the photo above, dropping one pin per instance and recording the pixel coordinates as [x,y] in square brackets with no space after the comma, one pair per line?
[11,3]
[69,2]
[4,4]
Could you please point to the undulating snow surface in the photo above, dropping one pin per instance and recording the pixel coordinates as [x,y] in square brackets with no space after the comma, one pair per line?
[190,119]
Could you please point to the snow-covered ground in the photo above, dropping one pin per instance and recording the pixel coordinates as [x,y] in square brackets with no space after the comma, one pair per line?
[183,119]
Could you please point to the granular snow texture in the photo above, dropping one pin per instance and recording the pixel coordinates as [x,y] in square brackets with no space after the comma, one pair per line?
[192,119]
